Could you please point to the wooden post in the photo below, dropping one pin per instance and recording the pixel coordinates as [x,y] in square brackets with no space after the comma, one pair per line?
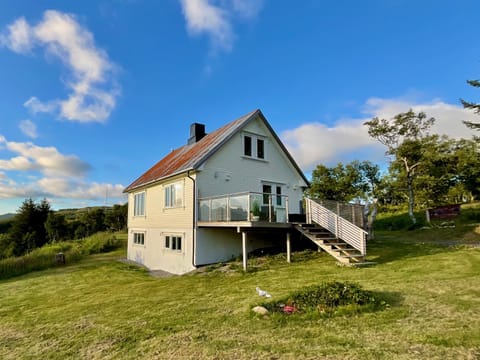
[288,248]
[244,250]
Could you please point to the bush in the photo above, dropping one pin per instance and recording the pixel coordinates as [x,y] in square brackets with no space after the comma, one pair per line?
[327,298]
[44,257]
[399,221]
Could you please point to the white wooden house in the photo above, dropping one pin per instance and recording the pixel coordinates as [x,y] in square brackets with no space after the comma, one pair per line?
[195,205]
[224,194]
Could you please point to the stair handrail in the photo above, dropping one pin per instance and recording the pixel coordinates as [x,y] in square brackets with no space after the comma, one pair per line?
[337,225]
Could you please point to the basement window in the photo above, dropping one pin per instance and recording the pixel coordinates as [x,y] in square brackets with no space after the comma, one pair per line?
[173,242]
[139,238]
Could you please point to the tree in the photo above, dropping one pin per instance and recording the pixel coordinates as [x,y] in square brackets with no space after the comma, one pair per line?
[467,159]
[472,106]
[56,227]
[405,136]
[28,230]
[94,221]
[116,219]
[339,183]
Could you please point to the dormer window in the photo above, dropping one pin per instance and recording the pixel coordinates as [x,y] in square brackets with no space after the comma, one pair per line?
[254,146]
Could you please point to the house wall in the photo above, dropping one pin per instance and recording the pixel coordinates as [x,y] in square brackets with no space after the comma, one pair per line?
[223,244]
[159,222]
[228,171]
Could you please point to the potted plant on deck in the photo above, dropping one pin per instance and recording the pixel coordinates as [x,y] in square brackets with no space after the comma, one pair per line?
[255,214]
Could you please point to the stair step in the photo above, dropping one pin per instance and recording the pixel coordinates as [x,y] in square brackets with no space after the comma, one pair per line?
[306,225]
[345,249]
[352,256]
[325,235]
[317,230]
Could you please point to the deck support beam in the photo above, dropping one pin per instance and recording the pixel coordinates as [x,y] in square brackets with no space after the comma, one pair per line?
[289,253]
[244,250]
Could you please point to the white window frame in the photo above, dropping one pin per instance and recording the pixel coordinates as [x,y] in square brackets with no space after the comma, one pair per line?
[173,195]
[138,238]
[139,204]
[173,242]
[254,148]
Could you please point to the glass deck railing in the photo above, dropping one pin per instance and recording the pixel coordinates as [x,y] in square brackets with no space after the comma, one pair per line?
[247,206]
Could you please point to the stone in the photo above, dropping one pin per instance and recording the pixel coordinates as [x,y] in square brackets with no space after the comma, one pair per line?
[260,310]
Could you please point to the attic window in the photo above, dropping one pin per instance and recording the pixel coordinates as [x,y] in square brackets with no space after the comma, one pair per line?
[260,149]
[254,146]
[247,146]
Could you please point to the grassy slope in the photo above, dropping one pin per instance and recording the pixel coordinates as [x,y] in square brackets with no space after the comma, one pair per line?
[102,308]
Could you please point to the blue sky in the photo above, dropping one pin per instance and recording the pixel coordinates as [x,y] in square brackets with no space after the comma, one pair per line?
[93,93]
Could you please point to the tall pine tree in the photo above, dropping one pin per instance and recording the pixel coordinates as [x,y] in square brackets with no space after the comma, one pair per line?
[472,106]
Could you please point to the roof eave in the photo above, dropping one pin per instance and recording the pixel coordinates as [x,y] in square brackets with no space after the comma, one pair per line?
[130,189]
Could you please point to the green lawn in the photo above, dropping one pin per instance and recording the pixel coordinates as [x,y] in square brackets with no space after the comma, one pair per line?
[104,308]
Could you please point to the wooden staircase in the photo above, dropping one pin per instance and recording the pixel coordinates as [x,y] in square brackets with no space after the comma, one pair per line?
[325,240]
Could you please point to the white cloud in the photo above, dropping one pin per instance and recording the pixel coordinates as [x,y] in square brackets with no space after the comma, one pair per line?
[247,8]
[316,143]
[29,128]
[18,39]
[36,106]
[204,17]
[448,117]
[68,188]
[46,160]
[216,18]
[43,172]
[91,83]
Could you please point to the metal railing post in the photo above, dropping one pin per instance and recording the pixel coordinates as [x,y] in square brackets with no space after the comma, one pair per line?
[286,210]
[269,207]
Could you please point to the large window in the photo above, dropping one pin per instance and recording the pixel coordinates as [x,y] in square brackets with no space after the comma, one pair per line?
[174,195]
[139,238]
[139,204]
[173,242]
[254,146]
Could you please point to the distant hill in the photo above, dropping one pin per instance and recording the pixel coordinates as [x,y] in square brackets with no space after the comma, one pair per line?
[8,216]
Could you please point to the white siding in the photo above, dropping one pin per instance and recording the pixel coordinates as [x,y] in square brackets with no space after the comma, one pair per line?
[159,221]
[228,171]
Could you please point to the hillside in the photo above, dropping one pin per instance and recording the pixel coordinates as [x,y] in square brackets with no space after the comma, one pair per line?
[6,217]
[102,308]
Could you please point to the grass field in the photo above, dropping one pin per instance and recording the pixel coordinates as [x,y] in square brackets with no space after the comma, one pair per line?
[102,308]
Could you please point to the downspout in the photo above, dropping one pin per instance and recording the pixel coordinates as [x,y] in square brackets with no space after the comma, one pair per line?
[194,216]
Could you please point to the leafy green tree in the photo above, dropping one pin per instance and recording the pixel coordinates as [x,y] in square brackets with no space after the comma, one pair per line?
[406,137]
[56,227]
[472,106]
[371,178]
[344,182]
[94,221]
[116,219]
[467,159]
